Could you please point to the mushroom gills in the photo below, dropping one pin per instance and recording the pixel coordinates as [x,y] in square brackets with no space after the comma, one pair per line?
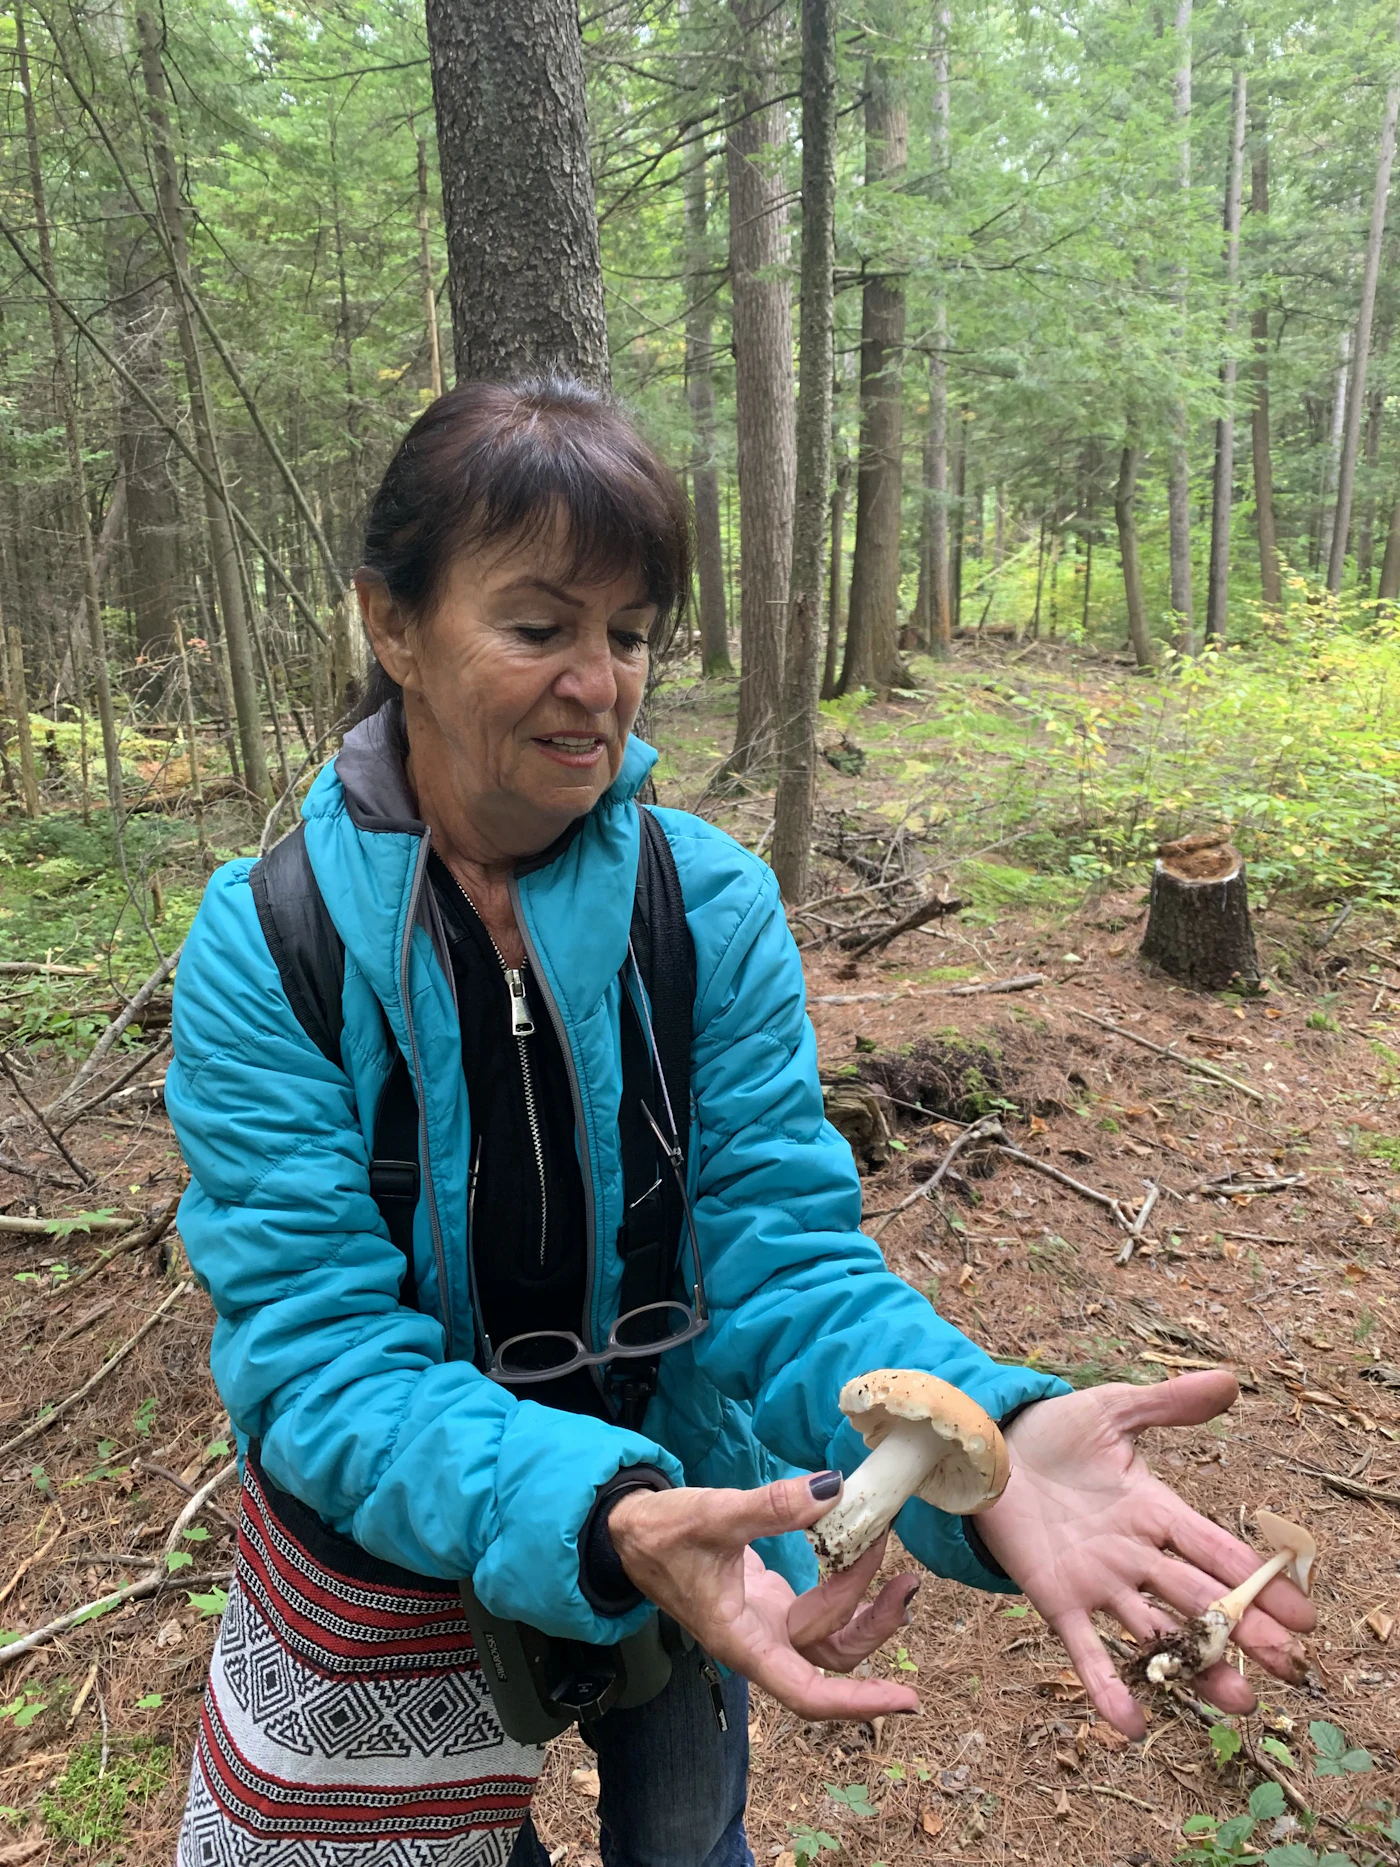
[874,1494]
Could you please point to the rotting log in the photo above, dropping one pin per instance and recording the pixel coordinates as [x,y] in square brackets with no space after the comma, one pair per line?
[1198,925]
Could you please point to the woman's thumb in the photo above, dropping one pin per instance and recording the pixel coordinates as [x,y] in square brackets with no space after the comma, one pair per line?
[786,1504]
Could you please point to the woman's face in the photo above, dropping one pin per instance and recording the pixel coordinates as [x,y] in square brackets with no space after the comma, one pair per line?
[520,688]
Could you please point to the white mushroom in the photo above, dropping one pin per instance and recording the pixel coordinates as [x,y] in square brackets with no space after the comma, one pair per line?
[1202,1642]
[927,1440]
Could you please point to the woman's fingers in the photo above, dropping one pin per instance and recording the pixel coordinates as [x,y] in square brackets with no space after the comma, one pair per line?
[1224,1688]
[1258,1634]
[822,1610]
[796,1683]
[868,1629]
[1209,1547]
[1184,1400]
[1098,1675]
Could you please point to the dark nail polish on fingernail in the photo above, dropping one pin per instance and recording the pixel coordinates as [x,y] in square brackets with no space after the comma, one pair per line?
[824,1485]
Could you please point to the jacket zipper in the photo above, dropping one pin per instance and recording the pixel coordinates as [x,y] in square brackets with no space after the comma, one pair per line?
[522,1025]
[590,1209]
[415,1065]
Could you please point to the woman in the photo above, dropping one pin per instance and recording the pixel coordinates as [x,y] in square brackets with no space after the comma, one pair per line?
[476,849]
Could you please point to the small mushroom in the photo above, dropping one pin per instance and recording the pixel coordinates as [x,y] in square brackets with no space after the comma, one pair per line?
[927,1440]
[1201,1642]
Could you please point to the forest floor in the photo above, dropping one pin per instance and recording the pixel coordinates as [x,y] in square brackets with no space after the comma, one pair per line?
[1296,1286]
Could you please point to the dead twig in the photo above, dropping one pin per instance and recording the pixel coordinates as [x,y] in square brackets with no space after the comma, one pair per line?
[174,1478]
[147,1235]
[1154,1193]
[115,1089]
[1349,1487]
[46,1420]
[92,1610]
[23,968]
[197,1503]
[1023,982]
[83,1322]
[933,909]
[1197,1065]
[1105,1200]
[85,1178]
[128,1015]
[988,1129]
[30,1561]
[12,1223]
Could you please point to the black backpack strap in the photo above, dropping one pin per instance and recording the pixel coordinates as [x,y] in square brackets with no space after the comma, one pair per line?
[310,958]
[649,1238]
[301,937]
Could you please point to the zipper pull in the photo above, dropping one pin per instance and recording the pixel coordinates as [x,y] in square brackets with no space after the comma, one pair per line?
[521,1023]
[709,1672]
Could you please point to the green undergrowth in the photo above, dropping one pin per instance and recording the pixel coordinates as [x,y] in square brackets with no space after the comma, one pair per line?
[88,1806]
[1034,781]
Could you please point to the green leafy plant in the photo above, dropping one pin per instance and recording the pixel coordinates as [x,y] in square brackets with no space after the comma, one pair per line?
[808,1843]
[22,1711]
[213,1603]
[87,1805]
[1335,1757]
[856,1798]
[144,1418]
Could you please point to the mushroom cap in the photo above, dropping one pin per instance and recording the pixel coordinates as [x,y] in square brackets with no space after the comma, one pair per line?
[1282,1535]
[972,1463]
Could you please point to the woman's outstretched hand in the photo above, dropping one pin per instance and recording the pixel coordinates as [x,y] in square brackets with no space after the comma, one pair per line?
[1083,1525]
[688,1551]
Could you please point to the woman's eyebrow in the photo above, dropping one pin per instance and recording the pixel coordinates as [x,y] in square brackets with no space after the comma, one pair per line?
[549,589]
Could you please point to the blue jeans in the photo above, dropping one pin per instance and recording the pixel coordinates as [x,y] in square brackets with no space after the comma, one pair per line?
[673,1785]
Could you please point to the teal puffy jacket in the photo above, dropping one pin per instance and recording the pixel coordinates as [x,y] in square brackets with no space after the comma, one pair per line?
[374,1414]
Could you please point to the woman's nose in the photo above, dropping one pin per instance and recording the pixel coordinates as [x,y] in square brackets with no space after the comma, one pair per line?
[589,680]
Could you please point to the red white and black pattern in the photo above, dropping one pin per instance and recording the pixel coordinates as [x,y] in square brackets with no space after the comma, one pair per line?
[346,1722]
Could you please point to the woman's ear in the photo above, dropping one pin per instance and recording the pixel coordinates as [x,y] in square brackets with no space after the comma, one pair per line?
[386,627]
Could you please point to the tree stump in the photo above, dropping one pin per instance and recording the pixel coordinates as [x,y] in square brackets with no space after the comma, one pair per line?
[853,1109]
[1198,925]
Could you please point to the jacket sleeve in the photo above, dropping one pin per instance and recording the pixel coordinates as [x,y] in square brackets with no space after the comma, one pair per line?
[801,1299]
[424,1462]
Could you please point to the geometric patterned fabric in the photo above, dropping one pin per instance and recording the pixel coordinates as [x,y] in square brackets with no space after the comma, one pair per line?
[346,1722]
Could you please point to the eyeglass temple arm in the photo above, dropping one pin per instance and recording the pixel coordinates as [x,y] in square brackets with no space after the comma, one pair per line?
[672,1151]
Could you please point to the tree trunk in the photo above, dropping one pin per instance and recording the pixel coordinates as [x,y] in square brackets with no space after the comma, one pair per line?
[222,541]
[1222,503]
[1198,925]
[1389,589]
[77,472]
[19,700]
[517,193]
[872,632]
[1361,349]
[700,390]
[1270,579]
[1178,465]
[957,513]
[793,807]
[1088,582]
[1332,459]
[1366,531]
[936,613]
[839,494]
[426,284]
[1124,511]
[763,383]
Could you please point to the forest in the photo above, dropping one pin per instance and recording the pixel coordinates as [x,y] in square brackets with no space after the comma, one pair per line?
[1029,370]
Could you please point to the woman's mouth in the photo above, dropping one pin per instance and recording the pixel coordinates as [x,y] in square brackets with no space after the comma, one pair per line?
[577,750]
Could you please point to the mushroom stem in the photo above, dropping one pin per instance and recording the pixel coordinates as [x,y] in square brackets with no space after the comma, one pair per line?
[874,1494]
[1233,1605]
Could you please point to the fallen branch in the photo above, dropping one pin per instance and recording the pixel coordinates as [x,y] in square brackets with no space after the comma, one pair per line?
[1197,1065]
[92,1610]
[147,1235]
[1349,1487]
[1076,1186]
[46,1420]
[173,1478]
[10,1222]
[1154,1193]
[23,968]
[84,1177]
[1225,1185]
[115,1089]
[933,909]
[83,1323]
[29,1561]
[197,1503]
[854,998]
[128,1015]
[1023,982]
[988,1129]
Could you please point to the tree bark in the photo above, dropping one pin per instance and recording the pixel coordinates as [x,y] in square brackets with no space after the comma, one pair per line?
[77,472]
[18,688]
[793,806]
[1198,925]
[839,494]
[1222,503]
[1389,588]
[872,634]
[517,193]
[935,607]
[1361,349]
[1366,531]
[957,512]
[1332,459]
[1124,511]
[222,542]
[700,392]
[426,283]
[1270,579]
[1178,464]
[763,380]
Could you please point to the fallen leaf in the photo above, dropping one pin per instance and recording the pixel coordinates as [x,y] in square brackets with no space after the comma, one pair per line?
[965,1277]
[585,1782]
[1117,951]
[1109,1738]
[1381,1624]
[1067,1759]
[1037,1125]
[929,1820]
[975,1829]
[24,1851]
[171,1634]
[786,1859]
[1061,1809]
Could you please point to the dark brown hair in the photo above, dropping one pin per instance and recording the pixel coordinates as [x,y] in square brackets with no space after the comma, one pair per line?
[493,461]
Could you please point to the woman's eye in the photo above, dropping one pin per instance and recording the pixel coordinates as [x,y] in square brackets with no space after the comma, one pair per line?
[537,634]
[630,641]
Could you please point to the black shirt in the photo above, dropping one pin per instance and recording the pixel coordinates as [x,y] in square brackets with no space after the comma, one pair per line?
[528,1226]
